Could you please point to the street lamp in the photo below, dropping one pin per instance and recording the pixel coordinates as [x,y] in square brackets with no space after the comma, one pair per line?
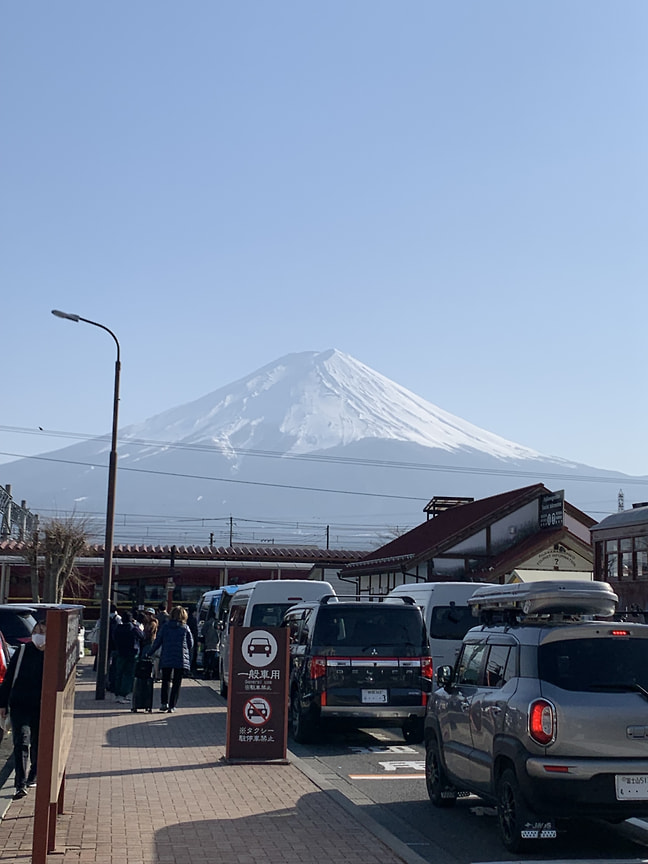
[106,585]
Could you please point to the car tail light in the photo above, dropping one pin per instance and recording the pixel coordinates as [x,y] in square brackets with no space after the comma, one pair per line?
[426,668]
[318,667]
[619,632]
[542,722]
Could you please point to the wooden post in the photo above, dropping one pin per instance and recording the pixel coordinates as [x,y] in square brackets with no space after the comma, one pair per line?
[55,730]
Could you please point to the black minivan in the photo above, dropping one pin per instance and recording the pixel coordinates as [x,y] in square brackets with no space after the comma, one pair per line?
[359,663]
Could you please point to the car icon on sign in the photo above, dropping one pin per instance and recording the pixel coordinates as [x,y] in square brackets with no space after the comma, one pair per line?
[257,710]
[259,645]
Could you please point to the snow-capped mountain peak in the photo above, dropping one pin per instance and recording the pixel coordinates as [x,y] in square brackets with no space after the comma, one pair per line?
[313,401]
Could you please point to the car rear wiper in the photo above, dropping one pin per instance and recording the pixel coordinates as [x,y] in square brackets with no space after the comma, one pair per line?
[620,686]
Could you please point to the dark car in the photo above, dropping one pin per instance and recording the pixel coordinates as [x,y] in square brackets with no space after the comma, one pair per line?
[359,663]
[17,622]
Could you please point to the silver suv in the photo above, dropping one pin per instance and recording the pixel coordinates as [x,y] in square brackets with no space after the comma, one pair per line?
[546,711]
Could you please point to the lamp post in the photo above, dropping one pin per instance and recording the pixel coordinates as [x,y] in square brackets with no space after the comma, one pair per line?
[106,585]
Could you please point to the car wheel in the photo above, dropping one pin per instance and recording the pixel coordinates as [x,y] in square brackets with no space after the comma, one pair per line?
[512,811]
[439,788]
[413,731]
[301,723]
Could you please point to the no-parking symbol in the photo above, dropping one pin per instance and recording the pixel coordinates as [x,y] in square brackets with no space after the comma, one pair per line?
[257,711]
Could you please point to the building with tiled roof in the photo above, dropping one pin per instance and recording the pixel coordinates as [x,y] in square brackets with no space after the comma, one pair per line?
[145,574]
[516,535]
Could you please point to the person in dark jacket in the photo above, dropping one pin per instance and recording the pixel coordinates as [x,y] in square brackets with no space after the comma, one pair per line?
[114,621]
[128,638]
[20,693]
[192,624]
[176,642]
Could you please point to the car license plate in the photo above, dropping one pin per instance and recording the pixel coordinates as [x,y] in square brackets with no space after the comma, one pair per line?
[631,787]
[374,696]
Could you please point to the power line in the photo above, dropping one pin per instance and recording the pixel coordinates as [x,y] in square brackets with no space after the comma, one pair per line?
[449,469]
[313,457]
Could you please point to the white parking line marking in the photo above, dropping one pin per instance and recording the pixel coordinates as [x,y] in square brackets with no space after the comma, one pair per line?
[393,748]
[387,777]
[414,765]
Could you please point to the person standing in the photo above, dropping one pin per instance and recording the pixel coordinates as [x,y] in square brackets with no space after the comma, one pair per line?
[162,615]
[210,636]
[20,693]
[128,638]
[150,627]
[176,643]
[192,624]
[114,621]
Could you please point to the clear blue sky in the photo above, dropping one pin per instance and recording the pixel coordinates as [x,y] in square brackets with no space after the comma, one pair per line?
[453,193]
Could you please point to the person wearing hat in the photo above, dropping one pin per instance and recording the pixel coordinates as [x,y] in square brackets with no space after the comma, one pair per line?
[150,626]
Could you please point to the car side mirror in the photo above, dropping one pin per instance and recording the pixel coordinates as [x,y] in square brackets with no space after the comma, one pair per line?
[444,675]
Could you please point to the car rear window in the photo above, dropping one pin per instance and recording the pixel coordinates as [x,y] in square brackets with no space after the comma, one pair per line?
[16,626]
[387,631]
[451,622]
[604,664]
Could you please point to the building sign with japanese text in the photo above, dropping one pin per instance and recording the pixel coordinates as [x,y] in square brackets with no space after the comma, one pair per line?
[257,715]
[552,508]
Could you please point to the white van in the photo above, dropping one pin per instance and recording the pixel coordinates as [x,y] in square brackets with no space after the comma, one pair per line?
[263,604]
[446,614]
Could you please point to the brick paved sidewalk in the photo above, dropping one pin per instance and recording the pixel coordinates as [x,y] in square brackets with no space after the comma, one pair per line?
[153,789]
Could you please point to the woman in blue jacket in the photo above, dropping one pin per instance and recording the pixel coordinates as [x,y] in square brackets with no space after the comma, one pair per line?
[176,643]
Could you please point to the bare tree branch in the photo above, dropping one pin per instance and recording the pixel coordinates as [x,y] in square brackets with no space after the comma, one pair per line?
[58,544]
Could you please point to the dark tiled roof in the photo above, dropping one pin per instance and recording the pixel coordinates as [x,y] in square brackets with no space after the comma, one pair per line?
[305,554]
[445,530]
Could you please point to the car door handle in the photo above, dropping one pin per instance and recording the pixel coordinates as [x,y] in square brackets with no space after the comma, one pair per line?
[493,709]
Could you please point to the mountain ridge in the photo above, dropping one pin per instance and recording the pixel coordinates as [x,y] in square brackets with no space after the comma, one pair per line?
[314,438]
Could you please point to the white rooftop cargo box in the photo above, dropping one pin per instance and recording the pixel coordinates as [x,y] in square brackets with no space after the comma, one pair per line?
[546,598]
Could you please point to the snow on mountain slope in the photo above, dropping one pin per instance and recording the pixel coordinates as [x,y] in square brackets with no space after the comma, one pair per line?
[314,401]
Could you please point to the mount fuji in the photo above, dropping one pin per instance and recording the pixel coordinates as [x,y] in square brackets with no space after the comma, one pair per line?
[314,439]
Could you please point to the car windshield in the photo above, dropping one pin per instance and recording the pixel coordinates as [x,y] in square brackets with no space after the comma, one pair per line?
[451,622]
[386,631]
[608,664]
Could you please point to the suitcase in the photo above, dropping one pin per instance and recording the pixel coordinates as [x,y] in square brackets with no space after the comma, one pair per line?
[144,668]
[143,685]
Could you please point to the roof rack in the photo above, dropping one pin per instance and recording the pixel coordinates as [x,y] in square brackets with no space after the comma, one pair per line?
[545,598]
[365,598]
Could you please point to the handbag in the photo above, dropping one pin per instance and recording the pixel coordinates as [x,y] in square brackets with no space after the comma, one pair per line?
[5,722]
